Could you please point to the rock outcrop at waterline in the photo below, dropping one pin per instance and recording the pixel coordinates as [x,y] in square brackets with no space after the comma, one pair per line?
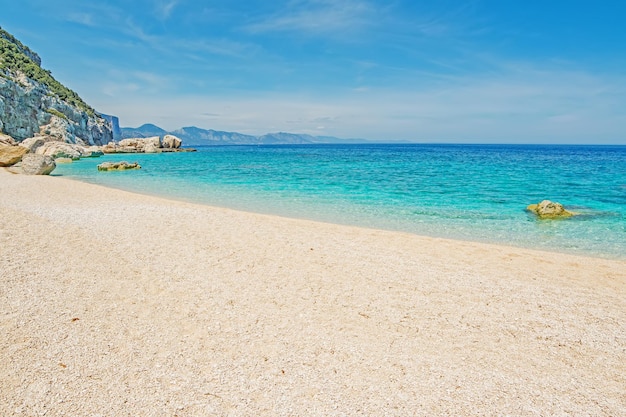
[57,149]
[153,144]
[12,152]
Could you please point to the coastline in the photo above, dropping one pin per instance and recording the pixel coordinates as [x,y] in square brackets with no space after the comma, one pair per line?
[120,303]
[490,208]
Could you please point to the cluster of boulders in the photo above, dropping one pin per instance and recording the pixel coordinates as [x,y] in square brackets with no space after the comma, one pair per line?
[154,144]
[42,153]
[52,150]
[12,153]
[56,149]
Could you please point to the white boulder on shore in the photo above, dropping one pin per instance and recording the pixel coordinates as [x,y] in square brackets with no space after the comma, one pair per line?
[57,149]
[34,164]
[11,154]
[153,144]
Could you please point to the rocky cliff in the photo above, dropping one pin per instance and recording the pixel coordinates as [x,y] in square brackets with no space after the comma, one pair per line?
[115,125]
[33,103]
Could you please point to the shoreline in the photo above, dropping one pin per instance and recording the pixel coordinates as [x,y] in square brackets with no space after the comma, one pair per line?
[497,216]
[485,241]
[122,303]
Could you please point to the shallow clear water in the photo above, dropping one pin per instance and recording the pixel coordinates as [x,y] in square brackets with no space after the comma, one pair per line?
[472,192]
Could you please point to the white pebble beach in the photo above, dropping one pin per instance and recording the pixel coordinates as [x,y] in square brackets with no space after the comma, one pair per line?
[120,304]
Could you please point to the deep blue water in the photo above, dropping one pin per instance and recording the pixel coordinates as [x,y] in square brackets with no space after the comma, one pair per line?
[471,192]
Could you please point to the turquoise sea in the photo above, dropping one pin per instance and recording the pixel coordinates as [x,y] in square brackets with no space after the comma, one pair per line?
[469,192]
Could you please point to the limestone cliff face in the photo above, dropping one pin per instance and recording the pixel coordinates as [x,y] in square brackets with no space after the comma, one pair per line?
[33,103]
[27,109]
[115,125]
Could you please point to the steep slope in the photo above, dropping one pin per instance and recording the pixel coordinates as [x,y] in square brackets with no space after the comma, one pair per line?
[33,102]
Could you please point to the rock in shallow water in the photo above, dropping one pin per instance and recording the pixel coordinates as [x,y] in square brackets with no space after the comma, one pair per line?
[118,166]
[550,210]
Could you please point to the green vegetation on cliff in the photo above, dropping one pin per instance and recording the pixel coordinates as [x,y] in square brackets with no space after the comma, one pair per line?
[23,48]
[13,60]
[56,113]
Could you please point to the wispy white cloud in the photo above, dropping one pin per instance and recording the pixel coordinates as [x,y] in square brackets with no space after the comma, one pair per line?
[100,14]
[317,16]
[86,19]
[122,83]
[223,47]
[114,19]
[164,9]
[131,28]
[460,21]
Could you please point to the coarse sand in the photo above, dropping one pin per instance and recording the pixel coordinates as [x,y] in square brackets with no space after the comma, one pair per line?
[119,304]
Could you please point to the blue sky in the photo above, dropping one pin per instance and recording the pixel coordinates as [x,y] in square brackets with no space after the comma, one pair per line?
[429,71]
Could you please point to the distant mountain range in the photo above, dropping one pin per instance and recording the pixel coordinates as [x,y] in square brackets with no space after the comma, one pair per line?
[195,136]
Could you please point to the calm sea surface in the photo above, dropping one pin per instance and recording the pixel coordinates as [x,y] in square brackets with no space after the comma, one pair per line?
[470,192]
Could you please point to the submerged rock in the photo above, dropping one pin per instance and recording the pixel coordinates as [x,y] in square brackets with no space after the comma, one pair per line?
[550,210]
[118,166]
[35,164]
